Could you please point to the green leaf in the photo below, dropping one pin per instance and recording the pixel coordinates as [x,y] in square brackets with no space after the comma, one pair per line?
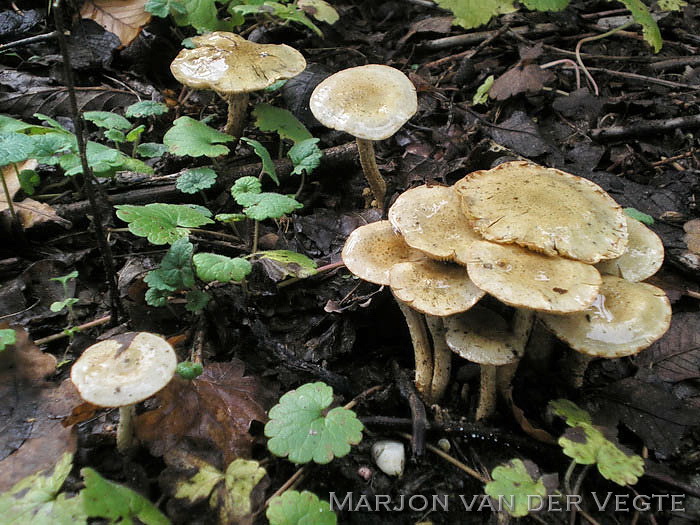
[196,179]
[640,216]
[281,121]
[107,119]
[200,14]
[119,504]
[197,300]
[474,13]
[51,122]
[57,306]
[63,279]
[49,146]
[571,412]
[188,370]
[213,267]
[175,271]
[545,5]
[245,185]
[104,161]
[34,500]
[162,223]
[261,206]
[7,337]
[157,298]
[650,29]
[234,502]
[135,134]
[306,156]
[516,482]
[196,139]
[28,181]
[482,93]
[230,217]
[295,508]
[299,429]
[268,166]
[672,5]
[115,136]
[159,8]
[15,147]
[320,10]
[151,150]
[290,263]
[146,108]
[12,125]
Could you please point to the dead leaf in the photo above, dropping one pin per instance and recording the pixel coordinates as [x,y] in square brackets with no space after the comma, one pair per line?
[9,173]
[124,18]
[24,361]
[692,235]
[434,24]
[217,407]
[31,213]
[520,79]
[525,424]
[676,356]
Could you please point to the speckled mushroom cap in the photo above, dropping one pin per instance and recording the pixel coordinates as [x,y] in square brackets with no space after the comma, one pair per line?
[431,220]
[228,64]
[626,318]
[369,102]
[642,258]
[124,370]
[545,210]
[481,336]
[433,287]
[521,278]
[371,250]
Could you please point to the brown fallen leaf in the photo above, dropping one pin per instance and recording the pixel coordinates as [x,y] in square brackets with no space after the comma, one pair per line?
[520,79]
[217,407]
[692,235]
[9,173]
[124,18]
[31,213]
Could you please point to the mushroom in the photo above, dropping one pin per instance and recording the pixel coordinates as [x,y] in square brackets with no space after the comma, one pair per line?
[122,371]
[371,103]
[545,210]
[234,67]
[625,318]
[642,258]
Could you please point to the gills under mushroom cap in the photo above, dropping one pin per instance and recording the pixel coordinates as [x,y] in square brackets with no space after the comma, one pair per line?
[370,102]
[642,258]
[228,64]
[431,220]
[624,319]
[521,278]
[124,370]
[545,210]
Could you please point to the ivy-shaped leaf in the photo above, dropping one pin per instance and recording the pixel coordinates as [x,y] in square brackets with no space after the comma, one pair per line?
[15,147]
[197,300]
[175,271]
[516,482]
[194,138]
[213,267]
[570,412]
[268,166]
[162,223]
[294,508]
[146,108]
[151,150]
[107,120]
[196,179]
[302,429]
[245,185]
[474,13]
[281,121]
[306,156]
[261,206]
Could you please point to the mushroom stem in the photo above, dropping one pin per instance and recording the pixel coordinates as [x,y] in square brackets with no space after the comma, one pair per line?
[369,166]
[442,358]
[421,349]
[523,321]
[125,429]
[235,121]
[576,368]
[487,392]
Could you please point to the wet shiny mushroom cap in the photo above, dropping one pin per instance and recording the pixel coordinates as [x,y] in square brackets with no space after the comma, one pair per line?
[642,258]
[124,370]
[371,250]
[625,318]
[521,278]
[431,220]
[545,210]
[481,336]
[433,287]
[228,63]
[370,102]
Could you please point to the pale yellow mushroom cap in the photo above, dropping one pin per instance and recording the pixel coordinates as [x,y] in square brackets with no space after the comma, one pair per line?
[434,288]
[369,102]
[371,250]
[481,336]
[521,278]
[431,220]
[228,64]
[124,370]
[625,318]
[642,258]
[545,210]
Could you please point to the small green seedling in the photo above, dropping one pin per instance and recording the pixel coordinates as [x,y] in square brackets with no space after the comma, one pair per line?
[514,485]
[7,337]
[294,508]
[302,428]
[189,370]
[482,93]
[67,301]
[640,216]
[259,205]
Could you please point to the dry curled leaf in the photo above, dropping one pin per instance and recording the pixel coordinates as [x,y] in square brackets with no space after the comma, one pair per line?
[124,18]
[217,407]
[520,79]
[31,213]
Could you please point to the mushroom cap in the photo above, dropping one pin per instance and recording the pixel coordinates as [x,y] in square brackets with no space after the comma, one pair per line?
[625,318]
[371,250]
[369,102]
[124,370]
[481,336]
[544,209]
[431,220]
[433,287]
[642,258]
[229,64]
[521,278]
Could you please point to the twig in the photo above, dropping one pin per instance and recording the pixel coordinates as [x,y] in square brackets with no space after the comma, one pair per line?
[470,52]
[28,40]
[675,63]
[297,475]
[650,80]
[473,38]
[645,127]
[92,324]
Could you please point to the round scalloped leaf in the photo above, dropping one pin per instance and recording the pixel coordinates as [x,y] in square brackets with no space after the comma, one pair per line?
[194,138]
[107,119]
[296,508]
[213,267]
[162,223]
[245,185]
[146,108]
[516,482]
[570,411]
[196,179]
[15,147]
[261,206]
[302,430]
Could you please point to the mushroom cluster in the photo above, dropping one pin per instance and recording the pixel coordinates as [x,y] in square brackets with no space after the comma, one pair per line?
[537,239]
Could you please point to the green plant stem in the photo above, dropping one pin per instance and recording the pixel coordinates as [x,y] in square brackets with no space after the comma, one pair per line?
[567,476]
[369,166]
[8,197]
[593,38]
[301,185]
